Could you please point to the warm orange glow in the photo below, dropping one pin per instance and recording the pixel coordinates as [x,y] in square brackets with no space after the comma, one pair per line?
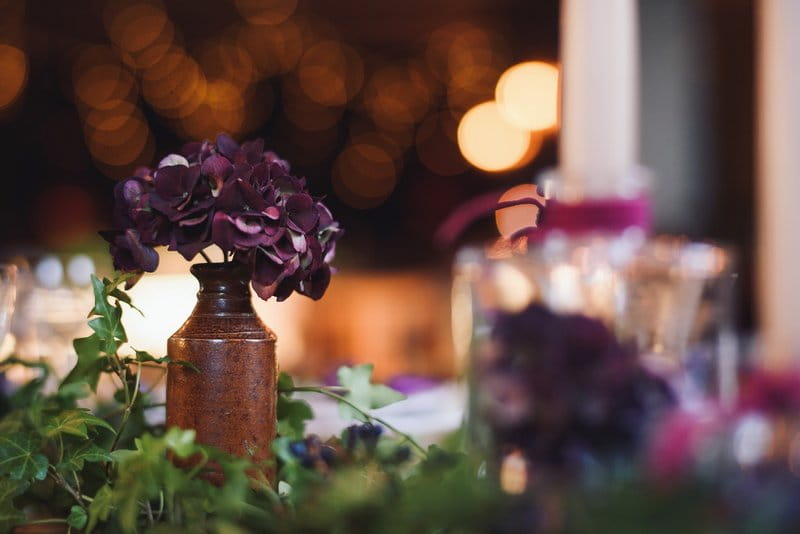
[527,95]
[331,73]
[138,26]
[469,57]
[121,146]
[395,99]
[465,57]
[232,62]
[13,73]
[110,120]
[511,220]
[178,93]
[266,12]
[222,110]
[100,80]
[462,98]
[437,145]
[304,112]
[364,175]
[274,50]
[490,143]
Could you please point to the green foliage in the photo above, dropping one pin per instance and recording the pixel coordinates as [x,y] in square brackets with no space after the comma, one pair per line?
[9,490]
[62,463]
[292,413]
[363,393]
[74,422]
[19,459]
[77,517]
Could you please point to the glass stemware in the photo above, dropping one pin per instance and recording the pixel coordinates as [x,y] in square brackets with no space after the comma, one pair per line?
[8,293]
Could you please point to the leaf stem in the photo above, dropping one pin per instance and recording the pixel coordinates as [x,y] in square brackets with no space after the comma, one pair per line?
[315,389]
[328,393]
[205,256]
[58,479]
[45,521]
[129,406]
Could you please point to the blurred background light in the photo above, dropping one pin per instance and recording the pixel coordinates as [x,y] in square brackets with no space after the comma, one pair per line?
[305,113]
[511,220]
[364,174]
[527,95]
[266,12]
[13,72]
[437,145]
[331,73]
[274,50]
[134,27]
[395,99]
[491,143]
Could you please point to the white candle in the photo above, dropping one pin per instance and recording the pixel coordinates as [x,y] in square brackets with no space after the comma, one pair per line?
[779,181]
[599,107]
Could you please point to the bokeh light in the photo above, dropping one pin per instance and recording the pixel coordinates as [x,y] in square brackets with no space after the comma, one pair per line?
[266,12]
[364,174]
[331,73]
[13,72]
[228,61]
[511,220]
[100,81]
[437,145]
[121,146]
[135,27]
[395,99]
[274,50]
[492,144]
[527,95]
[304,112]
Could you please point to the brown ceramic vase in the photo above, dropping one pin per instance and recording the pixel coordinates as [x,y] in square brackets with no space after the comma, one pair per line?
[231,401]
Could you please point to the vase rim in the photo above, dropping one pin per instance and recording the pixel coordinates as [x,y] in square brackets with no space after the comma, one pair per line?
[218,266]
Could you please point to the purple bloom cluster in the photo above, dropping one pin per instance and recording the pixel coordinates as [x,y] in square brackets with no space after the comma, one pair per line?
[239,197]
[563,390]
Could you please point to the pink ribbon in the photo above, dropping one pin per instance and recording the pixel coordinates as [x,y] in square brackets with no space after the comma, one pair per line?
[611,215]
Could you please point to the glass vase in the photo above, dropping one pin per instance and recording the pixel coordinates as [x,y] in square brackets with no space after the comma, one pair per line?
[663,302]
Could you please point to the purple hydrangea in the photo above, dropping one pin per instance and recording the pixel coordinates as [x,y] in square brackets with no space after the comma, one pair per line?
[563,390]
[239,197]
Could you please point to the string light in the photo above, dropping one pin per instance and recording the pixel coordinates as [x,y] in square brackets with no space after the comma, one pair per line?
[14,72]
[527,95]
[489,142]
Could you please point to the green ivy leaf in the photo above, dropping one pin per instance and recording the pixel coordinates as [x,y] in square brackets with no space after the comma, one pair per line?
[90,362]
[285,382]
[111,288]
[101,507]
[180,441]
[19,458]
[292,416]
[10,516]
[74,422]
[108,324]
[362,392]
[109,329]
[85,451]
[77,517]
[143,356]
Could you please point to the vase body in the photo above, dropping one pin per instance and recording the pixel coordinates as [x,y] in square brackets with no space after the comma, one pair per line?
[230,401]
[573,308]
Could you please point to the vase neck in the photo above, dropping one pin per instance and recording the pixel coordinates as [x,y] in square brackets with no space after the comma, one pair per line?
[224,288]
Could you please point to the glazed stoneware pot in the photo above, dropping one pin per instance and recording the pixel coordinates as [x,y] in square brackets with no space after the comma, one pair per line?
[231,399]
